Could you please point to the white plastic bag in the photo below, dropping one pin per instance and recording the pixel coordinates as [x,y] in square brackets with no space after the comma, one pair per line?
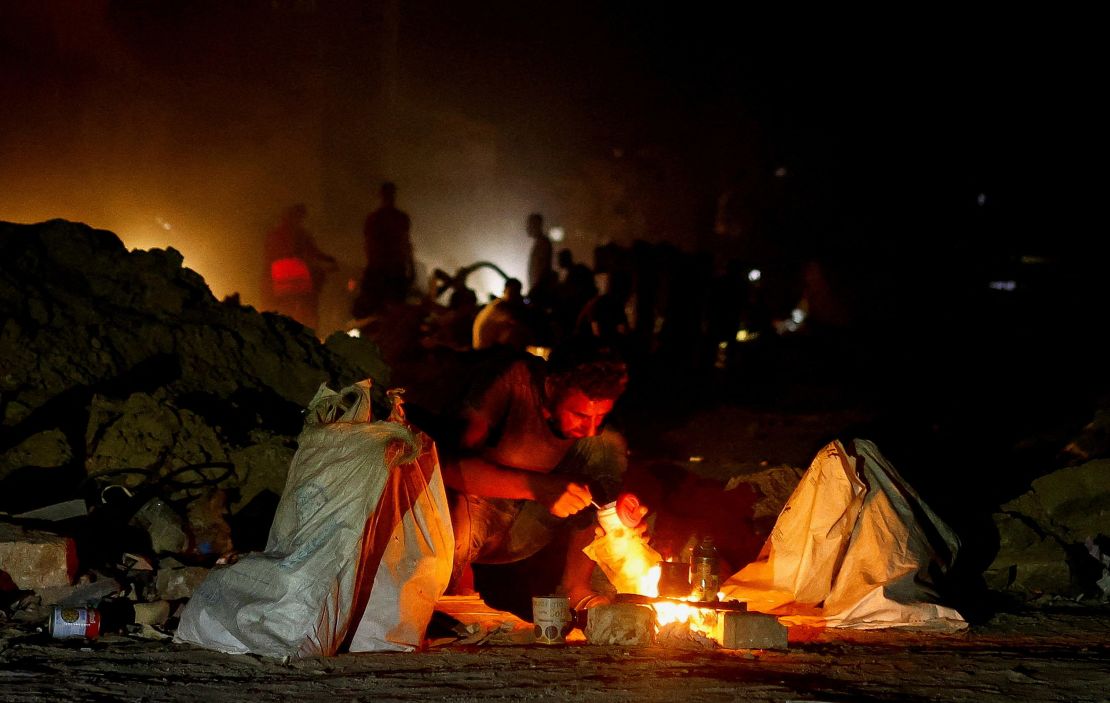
[854,547]
[359,551]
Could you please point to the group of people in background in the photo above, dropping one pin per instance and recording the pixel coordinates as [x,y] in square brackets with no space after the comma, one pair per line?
[296,268]
[644,300]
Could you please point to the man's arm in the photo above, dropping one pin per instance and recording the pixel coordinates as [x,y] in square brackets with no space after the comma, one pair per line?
[481,477]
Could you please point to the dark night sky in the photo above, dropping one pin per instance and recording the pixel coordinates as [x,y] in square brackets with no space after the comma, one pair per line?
[889,125]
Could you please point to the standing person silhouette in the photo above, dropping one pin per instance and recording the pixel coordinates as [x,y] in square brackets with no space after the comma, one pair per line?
[542,278]
[576,288]
[295,268]
[389,262]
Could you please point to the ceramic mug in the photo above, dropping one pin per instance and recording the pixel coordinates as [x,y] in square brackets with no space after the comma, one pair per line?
[553,619]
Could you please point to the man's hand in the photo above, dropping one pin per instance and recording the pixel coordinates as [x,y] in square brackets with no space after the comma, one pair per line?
[562,499]
[630,510]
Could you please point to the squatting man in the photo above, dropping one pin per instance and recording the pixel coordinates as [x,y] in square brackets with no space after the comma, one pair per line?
[532,457]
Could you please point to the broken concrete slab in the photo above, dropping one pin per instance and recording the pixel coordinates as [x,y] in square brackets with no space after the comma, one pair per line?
[1043,533]
[1028,561]
[47,449]
[35,559]
[261,466]
[167,529]
[176,583]
[156,613]
[1073,502]
[57,512]
[752,631]
[85,593]
[625,624]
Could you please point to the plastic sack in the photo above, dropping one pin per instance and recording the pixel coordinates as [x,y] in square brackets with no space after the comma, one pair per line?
[625,559]
[854,547]
[359,550]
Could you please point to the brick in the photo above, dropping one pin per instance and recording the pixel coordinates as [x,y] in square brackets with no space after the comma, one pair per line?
[752,631]
[35,559]
[620,623]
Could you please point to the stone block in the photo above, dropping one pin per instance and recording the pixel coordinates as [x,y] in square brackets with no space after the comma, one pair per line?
[35,559]
[178,583]
[156,613]
[752,631]
[625,624]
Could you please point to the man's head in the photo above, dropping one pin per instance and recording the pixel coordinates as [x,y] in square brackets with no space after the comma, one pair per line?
[513,289]
[535,225]
[583,383]
[389,193]
[565,259]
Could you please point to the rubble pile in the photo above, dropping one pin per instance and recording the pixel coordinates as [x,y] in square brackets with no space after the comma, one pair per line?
[1055,539]
[138,412]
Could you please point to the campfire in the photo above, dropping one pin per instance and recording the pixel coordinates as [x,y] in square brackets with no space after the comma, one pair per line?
[671,605]
[668,602]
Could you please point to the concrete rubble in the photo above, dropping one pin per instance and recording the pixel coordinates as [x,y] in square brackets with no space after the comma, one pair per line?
[129,391]
[625,624]
[34,559]
[1052,539]
[752,631]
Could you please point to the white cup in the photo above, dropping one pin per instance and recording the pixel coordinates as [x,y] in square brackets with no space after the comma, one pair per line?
[608,519]
[553,618]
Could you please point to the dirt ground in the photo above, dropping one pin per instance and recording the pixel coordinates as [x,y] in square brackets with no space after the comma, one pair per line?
[1036,656]
[1059,653]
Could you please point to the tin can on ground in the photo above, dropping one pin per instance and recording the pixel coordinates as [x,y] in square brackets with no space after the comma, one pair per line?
[553,619]
[74,622]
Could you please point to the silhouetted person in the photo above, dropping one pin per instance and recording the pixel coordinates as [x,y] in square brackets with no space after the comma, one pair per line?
[389,263]
[576,288]
[542,278]
[502,321]
[295,268]
[604,317]
[451,326]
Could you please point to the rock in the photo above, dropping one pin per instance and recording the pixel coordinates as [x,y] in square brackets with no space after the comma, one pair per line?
[132,348]
[1043,533]
[1073,502]
[35,559]
[88,593]
[262,466]
[176,583]
[1027,562]
[624,624]
[48,449]
[136,433]
[156,613]
[752,631]
[164,525]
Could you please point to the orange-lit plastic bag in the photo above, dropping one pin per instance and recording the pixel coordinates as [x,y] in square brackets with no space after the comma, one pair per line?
[359,551]
[854,547]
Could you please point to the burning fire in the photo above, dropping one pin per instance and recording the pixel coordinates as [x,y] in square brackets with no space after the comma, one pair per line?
[702,620]
[633,567]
